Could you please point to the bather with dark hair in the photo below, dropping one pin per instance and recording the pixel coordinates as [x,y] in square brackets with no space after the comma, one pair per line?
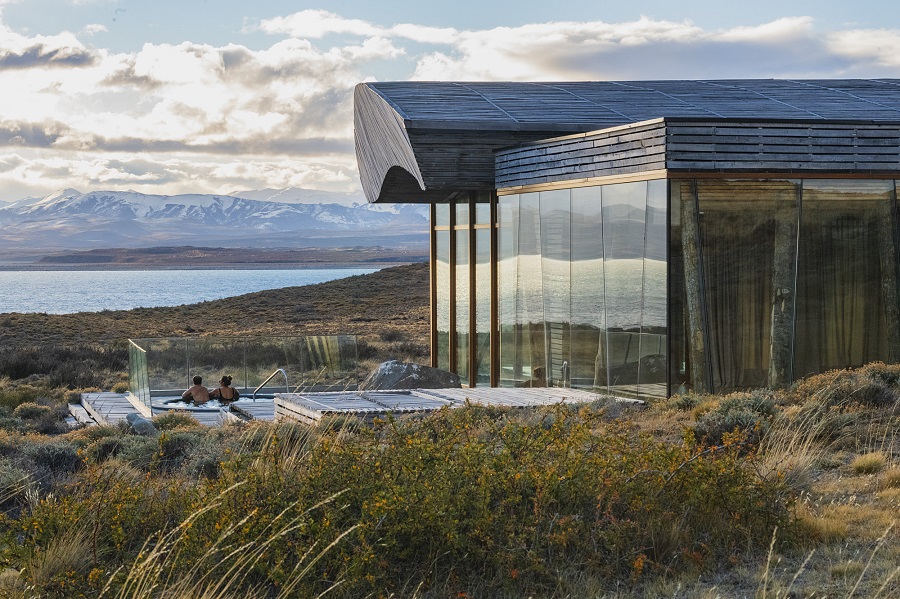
[225,393]
[198,393]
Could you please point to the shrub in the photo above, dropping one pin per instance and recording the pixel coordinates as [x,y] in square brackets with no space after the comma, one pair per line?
[891,479]
[120,387]
[174,448]
[56,456]
[172,420]
[31,411]
[869,463]
[746,413]
[13,482]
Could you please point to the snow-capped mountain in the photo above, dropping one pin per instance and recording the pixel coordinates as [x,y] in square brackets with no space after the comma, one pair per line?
[69,219]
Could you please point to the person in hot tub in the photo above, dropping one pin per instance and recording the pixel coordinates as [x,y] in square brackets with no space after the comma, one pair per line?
[198,393]
[225,393]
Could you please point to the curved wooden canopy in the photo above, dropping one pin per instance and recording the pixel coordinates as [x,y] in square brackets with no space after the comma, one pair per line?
[426,141]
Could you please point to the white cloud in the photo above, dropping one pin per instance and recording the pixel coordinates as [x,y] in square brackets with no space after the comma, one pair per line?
[881,46]
[211,118]
[314,24]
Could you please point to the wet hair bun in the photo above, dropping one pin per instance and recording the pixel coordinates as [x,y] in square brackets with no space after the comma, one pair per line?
[227,380]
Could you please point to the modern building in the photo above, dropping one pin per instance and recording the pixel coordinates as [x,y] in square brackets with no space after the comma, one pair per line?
[648,237]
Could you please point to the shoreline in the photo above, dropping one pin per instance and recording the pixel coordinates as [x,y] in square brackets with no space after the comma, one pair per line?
[91,267]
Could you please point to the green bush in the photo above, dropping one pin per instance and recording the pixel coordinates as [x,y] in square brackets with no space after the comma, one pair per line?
[31,411]
[749,414]
[56,456]
[172,420]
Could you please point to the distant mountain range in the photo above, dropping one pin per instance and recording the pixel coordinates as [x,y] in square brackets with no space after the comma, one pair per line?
[72,220]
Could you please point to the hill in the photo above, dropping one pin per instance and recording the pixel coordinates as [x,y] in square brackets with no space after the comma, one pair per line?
[393,299]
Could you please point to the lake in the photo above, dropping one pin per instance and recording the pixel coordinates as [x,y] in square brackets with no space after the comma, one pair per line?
[70,291]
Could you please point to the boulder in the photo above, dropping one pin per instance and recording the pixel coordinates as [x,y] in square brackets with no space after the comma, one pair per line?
[395,374]
[141,425]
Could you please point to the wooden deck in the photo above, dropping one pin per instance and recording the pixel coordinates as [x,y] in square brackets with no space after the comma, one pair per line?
[312,407]
[110,408]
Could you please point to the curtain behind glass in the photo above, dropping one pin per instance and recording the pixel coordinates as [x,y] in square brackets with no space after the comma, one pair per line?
[738,225]
[847,253]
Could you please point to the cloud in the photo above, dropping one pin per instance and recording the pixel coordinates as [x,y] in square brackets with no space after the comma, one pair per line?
[315,24]
[204,118]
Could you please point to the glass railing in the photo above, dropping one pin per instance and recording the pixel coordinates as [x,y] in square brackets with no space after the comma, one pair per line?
[139,382]
[166,366]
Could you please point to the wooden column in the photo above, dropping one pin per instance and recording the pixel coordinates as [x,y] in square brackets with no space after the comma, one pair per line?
[693,281]
[887,251]
[783,292]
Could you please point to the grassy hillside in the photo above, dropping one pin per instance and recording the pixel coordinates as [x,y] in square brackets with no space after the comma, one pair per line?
[387,309]
[391,299]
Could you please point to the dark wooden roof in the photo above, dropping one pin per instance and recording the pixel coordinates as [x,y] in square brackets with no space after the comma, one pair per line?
[424,141]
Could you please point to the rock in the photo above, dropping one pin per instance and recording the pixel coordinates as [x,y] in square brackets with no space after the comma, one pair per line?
[395,374]
[141,425]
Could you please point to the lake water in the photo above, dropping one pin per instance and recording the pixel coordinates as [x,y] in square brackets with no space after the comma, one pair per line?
[69,291]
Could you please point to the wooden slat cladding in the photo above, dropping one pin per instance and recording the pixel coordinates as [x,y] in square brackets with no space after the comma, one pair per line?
[782,147]
[721,145]
[623,150]
[424,141]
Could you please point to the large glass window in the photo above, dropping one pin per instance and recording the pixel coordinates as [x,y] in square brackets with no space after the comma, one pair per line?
[624,220]
[462,304]
[748,232]
[482,366]
[583,288]
[556,233]
[847,277]
[442,298]
[588,354]
[508,276]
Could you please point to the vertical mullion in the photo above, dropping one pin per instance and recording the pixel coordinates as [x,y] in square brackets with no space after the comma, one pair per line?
[432,283]
[473,346]
[494,328]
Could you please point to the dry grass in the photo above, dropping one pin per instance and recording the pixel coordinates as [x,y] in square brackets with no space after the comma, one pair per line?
[890,479]
[870,463]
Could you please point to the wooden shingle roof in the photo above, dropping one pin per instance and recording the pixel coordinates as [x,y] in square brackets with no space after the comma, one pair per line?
[422,141]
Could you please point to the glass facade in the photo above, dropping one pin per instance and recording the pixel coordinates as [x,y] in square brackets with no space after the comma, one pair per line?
[775,280]
[654,287]
[582,280]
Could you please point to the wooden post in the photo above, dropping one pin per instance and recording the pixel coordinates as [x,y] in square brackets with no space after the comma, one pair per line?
[693,280]
[783,282]
[887,251]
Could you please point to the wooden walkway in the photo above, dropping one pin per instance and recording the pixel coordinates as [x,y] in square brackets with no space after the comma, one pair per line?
[312,407]
[110,408]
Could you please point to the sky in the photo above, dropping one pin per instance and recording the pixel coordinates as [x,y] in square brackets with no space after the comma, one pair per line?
[213,96]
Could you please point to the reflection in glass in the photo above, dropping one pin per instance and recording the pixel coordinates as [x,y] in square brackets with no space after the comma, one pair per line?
[462,211]
[482,366]
[482,214]
[846,286]
[530,362]
[462,304]
[653,352]
[624,210]
[555,214]
[442,215]
[679,357]
[507,276]
[442,298]
[588,353]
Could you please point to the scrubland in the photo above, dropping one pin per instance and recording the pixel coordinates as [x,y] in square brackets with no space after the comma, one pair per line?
[789,493]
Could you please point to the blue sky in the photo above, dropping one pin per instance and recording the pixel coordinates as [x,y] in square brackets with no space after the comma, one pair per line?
[209,96]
